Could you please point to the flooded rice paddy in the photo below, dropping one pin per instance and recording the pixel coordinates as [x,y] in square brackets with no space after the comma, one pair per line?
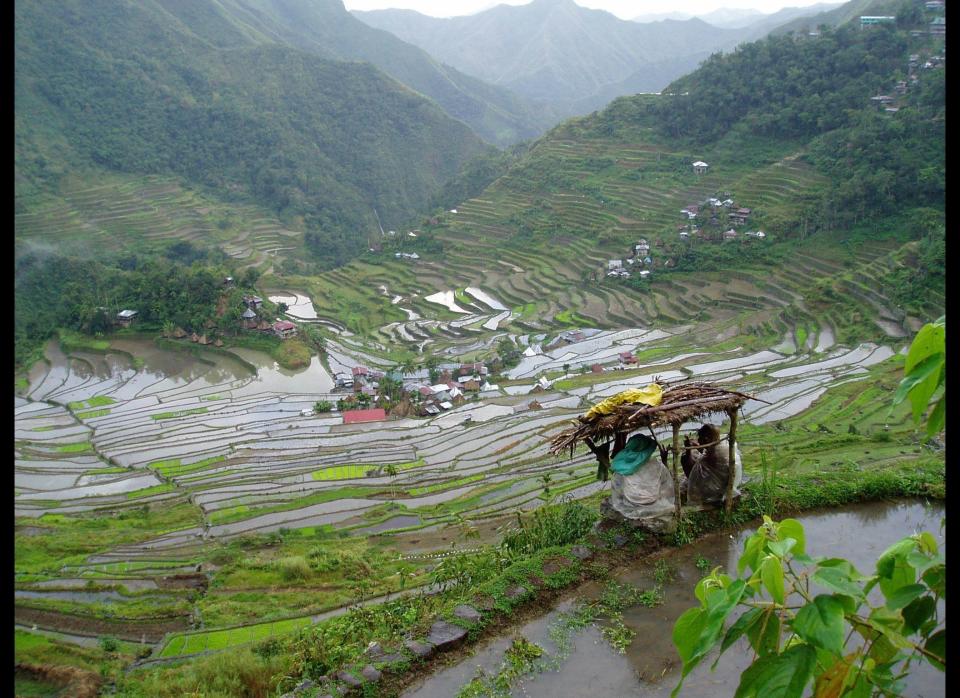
[140,424]
[650,666]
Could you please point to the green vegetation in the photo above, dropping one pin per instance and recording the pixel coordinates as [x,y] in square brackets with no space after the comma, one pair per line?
[449,485]
[70,539]
[95,401]
[174,468]
[150,491]
[78,447]
[903,629]
[327,117]
[179,413]
[93,413]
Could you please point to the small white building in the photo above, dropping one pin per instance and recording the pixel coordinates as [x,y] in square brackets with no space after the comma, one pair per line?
[700,167]
[615,264]
[645,274]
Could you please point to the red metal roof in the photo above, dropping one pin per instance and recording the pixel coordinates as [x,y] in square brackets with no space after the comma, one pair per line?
[376,414]
[283,325]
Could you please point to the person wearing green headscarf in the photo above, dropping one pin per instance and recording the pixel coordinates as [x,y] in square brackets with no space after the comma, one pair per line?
[640,485]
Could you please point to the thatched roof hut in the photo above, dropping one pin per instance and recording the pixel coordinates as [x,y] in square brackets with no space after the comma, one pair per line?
[679,403]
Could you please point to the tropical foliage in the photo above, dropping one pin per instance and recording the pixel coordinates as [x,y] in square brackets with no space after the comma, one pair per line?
[800,614]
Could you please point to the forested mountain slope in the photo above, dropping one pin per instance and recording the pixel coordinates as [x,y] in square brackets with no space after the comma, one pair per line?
[128,88]
[325,28]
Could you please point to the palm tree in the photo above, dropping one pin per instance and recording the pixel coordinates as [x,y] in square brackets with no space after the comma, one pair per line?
[391,471]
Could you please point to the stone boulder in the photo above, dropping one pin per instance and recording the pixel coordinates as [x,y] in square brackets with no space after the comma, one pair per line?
[444,635]
[467,613]
[419,649]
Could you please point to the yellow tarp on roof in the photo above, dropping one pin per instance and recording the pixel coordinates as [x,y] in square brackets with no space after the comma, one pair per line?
[651,395]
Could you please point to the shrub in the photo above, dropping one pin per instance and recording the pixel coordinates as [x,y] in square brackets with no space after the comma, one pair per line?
[294,568]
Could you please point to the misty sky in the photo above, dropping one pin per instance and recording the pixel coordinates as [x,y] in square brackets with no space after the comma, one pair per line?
[625,9]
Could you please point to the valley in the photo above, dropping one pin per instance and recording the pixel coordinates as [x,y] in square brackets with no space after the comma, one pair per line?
[293,339]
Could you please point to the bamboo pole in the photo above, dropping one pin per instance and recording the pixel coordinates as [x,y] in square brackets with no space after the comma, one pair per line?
[676,462]
[732,464]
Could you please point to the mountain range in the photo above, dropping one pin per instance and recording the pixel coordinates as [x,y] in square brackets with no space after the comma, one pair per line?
[574,58]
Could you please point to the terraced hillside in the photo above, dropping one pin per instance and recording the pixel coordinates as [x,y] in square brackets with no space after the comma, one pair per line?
[138,214]
[193,459]
[539,239]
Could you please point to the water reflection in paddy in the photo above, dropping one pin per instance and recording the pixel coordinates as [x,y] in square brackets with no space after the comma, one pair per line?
[651,666]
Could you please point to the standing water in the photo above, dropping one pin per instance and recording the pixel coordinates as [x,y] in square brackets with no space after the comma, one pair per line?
[651,666]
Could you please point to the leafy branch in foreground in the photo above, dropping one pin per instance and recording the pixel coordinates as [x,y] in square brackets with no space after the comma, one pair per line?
[925,373]
[839,640]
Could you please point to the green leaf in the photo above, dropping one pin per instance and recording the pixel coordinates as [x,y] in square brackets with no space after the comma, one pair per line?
[778,675]
[791,528]
[918,612]
[751,551]
[904,596]
[938,417]
[737,630]
[928,543]
[821,623]
[686,632]
[771,572]
[716,615]
[923,391]
[937,644]
[917,376]
[836,579]
[764,634]
[844,565]
[936,579]
[780,548]
[893,569]
[930,340]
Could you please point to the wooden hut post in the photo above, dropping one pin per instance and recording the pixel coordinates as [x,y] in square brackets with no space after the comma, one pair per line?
[676,462]
[732,464]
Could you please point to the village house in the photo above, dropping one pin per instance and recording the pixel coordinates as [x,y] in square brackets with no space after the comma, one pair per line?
[249,319]
[758,234]
[645,274]
[730,234]
[614,264]
[228,281]
[938,26]
[699,167]
[125,317]
[474,369]
[284,329]
[253,302]
[377,414]
[739,217]
[627,357]
[684,235]
[870,20]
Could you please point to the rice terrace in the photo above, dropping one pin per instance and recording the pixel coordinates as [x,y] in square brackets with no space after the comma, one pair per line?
[317,393]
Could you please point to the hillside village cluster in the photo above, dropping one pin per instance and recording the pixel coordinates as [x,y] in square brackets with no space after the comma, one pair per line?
[703,222]
[891,104]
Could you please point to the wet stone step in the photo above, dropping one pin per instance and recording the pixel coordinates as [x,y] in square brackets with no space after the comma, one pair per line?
[444,635]
[467,613]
